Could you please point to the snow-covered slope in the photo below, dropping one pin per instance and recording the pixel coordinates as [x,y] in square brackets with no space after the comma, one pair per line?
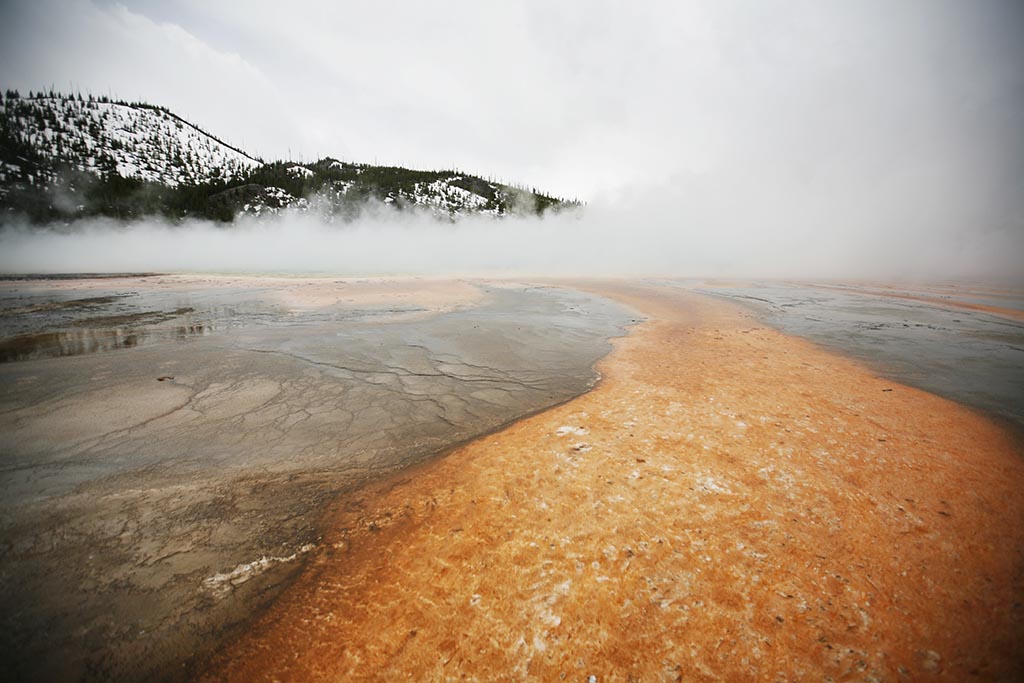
[136,141]
[340,190]
[64,157]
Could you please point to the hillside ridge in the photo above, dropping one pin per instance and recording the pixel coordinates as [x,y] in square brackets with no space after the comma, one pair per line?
[71,156]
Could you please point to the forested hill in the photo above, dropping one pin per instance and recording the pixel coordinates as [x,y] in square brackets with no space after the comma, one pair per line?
[64,157]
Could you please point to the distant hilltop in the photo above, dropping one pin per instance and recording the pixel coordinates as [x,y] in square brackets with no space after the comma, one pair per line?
[71,156]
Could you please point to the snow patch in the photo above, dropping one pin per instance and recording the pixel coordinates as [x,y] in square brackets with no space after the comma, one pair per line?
[297,171]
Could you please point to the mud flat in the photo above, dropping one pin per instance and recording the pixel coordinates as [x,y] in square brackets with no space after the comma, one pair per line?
[960,341]
[167,443]
[1006,301]
[729,503]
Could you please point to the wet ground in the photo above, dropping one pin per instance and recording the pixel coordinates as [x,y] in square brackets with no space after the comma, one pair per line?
[729,504]
[166,453]
[974,357]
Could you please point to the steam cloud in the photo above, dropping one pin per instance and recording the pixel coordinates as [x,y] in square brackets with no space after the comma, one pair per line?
[761,139]
[692,230]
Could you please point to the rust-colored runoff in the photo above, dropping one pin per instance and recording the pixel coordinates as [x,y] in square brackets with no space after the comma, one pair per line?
[728,504]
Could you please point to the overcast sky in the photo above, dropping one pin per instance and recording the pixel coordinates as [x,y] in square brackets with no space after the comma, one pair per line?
[751,117]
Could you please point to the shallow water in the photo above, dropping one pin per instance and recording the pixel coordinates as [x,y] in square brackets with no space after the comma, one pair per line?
[972,357]
[165,454]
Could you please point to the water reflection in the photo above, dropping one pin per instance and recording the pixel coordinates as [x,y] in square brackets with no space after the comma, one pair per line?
[966,355]
[185,331]
[81,341]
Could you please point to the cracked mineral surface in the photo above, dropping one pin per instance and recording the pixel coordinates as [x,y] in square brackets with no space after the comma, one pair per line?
[168,442]
[728,504]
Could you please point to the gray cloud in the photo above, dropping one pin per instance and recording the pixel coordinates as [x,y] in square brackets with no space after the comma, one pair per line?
[809,133]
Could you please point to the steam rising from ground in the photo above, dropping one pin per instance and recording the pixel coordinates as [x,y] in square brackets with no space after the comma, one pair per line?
[705,233]
[792,139]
